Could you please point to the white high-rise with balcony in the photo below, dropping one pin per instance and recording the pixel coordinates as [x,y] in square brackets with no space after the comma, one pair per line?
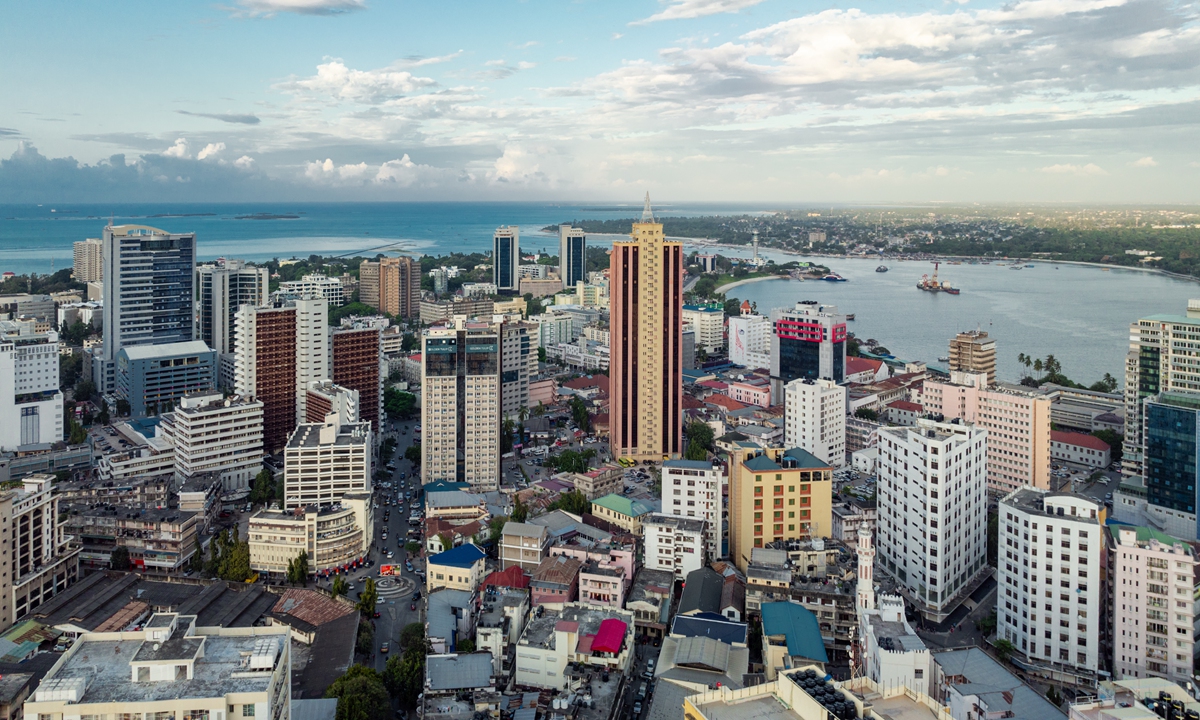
[212,433]
[692,488]
[815,419]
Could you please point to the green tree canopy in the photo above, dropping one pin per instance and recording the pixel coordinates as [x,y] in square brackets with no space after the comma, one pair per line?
[119,560]
[362,695]
[574,502]
[366,601]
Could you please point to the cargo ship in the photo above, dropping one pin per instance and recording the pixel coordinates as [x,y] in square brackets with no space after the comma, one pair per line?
[931,284]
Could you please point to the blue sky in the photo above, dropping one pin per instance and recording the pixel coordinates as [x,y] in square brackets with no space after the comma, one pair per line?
[734,100]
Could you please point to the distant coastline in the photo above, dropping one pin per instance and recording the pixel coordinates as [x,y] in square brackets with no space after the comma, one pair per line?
[732,285]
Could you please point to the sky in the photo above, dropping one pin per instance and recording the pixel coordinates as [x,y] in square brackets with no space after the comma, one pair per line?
[1093,101]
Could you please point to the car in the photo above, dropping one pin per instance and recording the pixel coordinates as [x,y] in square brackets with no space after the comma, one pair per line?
[383,648]
[416,596]
[412,606]
[391,554]
[379,601]
[637,708]
[375,614]
[1108,496]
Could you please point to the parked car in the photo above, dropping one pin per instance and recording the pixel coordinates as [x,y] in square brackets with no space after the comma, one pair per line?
[383,648]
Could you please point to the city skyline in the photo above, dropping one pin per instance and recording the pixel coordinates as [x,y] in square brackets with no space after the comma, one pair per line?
[1059,100]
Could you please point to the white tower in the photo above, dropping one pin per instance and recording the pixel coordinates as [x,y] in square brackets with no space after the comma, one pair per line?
[756,248]
[866,570]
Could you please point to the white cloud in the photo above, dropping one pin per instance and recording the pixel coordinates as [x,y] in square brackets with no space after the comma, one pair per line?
[337,82]
[245,162]
[211,150]
[178,150]
[1145,162]
[1090,169]
[270,8]
[402,172]
[617,36]
[520,164]
[687,9]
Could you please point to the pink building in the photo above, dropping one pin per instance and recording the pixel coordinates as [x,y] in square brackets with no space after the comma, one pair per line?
[544,391]
[602,584]
[555,581]
[751,392]
[605,554]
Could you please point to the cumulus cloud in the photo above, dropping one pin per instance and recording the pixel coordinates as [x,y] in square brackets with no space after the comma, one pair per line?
[402,172]
[1145,162]
[211,150]
[235,118]
[270,8]
[178,150]
[687,9]
[1081,170]
[245,162]
[335,81]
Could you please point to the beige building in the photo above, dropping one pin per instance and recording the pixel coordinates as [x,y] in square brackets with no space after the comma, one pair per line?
[599,482]
[621,511]
[213,433]
[89,265]
[323,463]
[368,283]
[170,669]
[43,561]
[973,351]
[399,287]
[523,545]
[1017,420]
[333,536]
[156,538]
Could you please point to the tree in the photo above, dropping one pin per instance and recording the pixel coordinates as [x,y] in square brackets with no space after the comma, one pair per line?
[84,389]
[196,564]
[444,539]
[102,417]
[466,645]
[339,587]
[236,560]
[496,528]
[1054,696]
[213,565]
[987,625]
[579,413]
[412,635]
[76,435]
[365,643]
[520,510]
[1107,384]
[408,342]
[119,560]
[262,490]
[866,414]
[574,502]
[362,695]
[1114,443]
[506,435]
[700,440]
[366,601]
[541,354]
[398,404]
[539,410]
[413,454]
[733,307]
[1004,649]
[123,408]
[570,461]
[411,676]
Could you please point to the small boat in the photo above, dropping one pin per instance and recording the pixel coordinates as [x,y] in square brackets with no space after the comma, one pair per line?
[1028,266]
[850,316]
[833,277]
[1016,267]
[943,359]
[881,268]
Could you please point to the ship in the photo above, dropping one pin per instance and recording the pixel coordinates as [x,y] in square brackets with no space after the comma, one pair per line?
[931,284]
[849,316]
[881,268]
[833,277]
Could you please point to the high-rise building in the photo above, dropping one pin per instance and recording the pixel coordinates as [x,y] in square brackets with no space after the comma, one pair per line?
[973,351]
[506,258]
[932,527]
[1017,420]
[709,324]
[1153,614]
[315,285]
[149,279]
[152,378]
[368,283]
[213,433]
[646,359]
[326,461]
[1049,574]
[460,407]
[1171,461]
[815,419]
[400,287]
[441,280]
[572,256]
[776,495]
[88,261]
[692,489]
[808,341]
[750,339]
[31,405]
[1161,359]
[326,398]
[518,365]
[221,289]
[43,563]
[356,366]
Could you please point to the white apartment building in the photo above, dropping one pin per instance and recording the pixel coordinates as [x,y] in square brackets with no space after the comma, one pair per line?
[709,324]
[1017,421]
[211,672]
[815,419]
[1152,604]
[322,463]
[212,433]
[316,285]
[145,457]
[553,328]
[44,563]
[932,497]
[518,364]
[692,489]
[89,261]
[221,289]
[332,536]
[313,350]
[1048,599]
[674,544]
[750,340]
[327,398]
[31,406]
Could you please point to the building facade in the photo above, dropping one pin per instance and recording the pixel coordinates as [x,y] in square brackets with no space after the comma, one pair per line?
[324,463]
[334,536]
[675,544]
[1080,449]
[368,283]
[815,419]
[572,256]
[221,289]
[44,560]
[506,258]
[31,405]
[356,366]
[161,539]
[750,339]
[315,285]
[518,365]
[709,323]
[212,433]
[974,352]
[89,261]
[646,354]
[807,342]
[693,489]
[400,286]
[152,378]
[1171,461]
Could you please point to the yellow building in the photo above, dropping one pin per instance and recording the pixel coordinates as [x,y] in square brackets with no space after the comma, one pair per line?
[333,537]
[459,568]
[621,511]
[774,495]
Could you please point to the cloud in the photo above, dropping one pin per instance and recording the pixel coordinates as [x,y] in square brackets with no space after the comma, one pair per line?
[1082,170]
[500,69]
[234,118]
[335,81]
[687,9]
[565,58]
[529,44]
[178,150]
[211,150]
[9,132]
[420,60]
[617,35]
[270,8]
[245,162]
[1145,162]
[402,172]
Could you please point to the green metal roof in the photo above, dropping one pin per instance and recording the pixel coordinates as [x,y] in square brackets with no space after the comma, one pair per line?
[798,625]
[1146,534]
[805,459]
[623,505]
[761,463]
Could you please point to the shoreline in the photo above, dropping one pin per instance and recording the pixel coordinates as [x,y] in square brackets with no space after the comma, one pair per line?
[735,283]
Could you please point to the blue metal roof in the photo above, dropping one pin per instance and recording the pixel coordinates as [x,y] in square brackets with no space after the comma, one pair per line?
[463,556]
[798,625]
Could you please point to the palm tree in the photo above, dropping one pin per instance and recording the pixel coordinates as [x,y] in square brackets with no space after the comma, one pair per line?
[1037,365]
[1020,358]
[540,410]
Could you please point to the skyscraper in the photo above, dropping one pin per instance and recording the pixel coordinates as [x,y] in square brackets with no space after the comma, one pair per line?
[88,261]
[368,283]
[221,289]
[815,419]
[1171,461]
[149,276]
[973,351]
[400,287]
[807,342]
[356,356]
[646,362]
[506,257]
[31,404]
[572,256]
[517,366]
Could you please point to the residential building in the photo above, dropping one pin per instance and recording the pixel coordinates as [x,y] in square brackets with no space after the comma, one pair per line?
[137,492]
[973,684]
[356,365]
[333,536]
[400,286]
[324,462]
[44,563]
[89,262]
[572,256]
[676,544]
[557,638]
[650,600]
[152,378]
[327,398]
[974,352]
[815,419]
[933,485]
[368,283]
[1153,577]
[598,482]
[522,545]
[212,433]
[587,355]
[751,391]
[31,405]
[1017,420]
[903,412]
[245,671]
[161,539]
[1080,449]
[621,511]
[140,456]
[750,339]
[1070,568]
[646,305]
[479,290]
[149,276]
[602,584]
[459,568]
[553,328]
[221,289]
[791,637]
[1171,459]
[315,285]
[460,405]
[808,342]
[709,323]
[693,489]
[536,271]
[506,257]
[518,365]
[456,506]
[776,495]
[555,581]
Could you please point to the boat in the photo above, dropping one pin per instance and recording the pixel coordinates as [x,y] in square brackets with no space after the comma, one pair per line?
[833,277]
[881,268]
[943,359]
[1016,267]
[931,284]
[850,316]
[1029,266]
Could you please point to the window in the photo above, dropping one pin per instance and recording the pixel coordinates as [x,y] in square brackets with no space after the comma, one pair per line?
[143,674]
[248,710]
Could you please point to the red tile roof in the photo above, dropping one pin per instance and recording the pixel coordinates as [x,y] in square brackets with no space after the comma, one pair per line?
[1079,439]
[514,577]
[855,365]
[906,405]
[714,384]
[583,383]
[691,403]
[310,606]
[724,401]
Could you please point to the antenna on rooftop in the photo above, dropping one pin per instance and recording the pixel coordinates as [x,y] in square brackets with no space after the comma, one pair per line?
[647,213]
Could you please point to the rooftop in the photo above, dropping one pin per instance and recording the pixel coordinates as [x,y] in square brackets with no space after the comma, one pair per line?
[308,435]
[694,525]
[971,671]
[441,618]
[1079,439]
[1033,500]
[701,592]
[149,352]
[623,505]
[710,625]
[798,626]
[453,499]
[521,529]
[583,620]
[802,458]
[458,672]
[556,569]
[463,556]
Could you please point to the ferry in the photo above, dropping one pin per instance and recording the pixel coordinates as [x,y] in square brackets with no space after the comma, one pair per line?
[833,277]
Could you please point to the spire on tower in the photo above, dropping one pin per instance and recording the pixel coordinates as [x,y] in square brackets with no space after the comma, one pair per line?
[647,213]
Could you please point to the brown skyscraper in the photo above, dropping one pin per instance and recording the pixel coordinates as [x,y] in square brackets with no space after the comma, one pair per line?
[368,283]
[267,354]
[973,351]
[399,287]
[356,367]
[646,363]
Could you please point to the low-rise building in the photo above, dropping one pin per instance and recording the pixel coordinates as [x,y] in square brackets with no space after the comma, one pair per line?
[893,655]
[128,453]
[334,536]
[650,601]
[621,511]
[134,492]
[971,684]
[675,544]
[1079,448]
[555,581]
[522,545]
[791,637]
[599,482]
[602,584]
[460,568]
[162,539]
[456,507]
[601,638]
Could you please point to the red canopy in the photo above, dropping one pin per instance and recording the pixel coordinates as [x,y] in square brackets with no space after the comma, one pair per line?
[609,637]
